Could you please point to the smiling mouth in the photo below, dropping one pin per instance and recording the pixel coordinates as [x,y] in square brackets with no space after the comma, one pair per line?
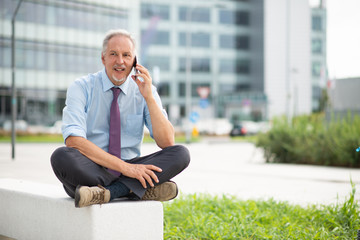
[119,68]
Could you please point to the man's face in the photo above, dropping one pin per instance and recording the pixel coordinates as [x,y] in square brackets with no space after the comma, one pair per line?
[118,59]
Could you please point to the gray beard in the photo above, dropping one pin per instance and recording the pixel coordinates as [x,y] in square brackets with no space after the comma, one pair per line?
[122,80]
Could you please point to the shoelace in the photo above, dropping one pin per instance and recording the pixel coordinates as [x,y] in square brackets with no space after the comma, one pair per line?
[98,195]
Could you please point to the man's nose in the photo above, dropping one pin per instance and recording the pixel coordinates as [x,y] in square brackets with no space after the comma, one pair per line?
[120,59]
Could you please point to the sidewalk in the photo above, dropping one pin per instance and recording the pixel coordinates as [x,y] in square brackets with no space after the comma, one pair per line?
[217,167]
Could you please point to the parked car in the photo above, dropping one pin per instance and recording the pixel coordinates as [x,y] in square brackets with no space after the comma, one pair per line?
[238,130]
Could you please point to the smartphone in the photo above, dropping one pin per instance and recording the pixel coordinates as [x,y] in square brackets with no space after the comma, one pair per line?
[134,66]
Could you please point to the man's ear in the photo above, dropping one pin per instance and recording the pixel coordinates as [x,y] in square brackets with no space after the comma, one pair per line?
[103,58]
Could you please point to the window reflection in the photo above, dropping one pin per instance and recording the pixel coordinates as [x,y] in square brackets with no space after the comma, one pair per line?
[195,14]
[163,62]
[240,18]
[316,23]
[157,38]
[316,69]
[197,64]
[235,42]
[150,10]
[50,57]
[197,39]
[240,66]
[164,89]
[316,46]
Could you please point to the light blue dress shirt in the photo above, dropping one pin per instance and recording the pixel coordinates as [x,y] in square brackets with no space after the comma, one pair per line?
[87,112]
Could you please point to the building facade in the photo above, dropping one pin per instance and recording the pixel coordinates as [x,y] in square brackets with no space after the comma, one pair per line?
[241,60]
[216,45]
[318,55]
[55,43]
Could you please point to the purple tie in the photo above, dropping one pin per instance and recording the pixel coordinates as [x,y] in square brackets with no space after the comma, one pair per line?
[115,128]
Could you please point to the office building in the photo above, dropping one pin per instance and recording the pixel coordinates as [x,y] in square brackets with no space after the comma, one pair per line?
[241,60]
[318,55]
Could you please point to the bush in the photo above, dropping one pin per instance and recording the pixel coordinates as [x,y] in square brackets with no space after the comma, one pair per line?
[309,139]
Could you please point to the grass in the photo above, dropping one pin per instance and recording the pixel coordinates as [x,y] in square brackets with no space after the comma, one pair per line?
[57,138]
[201,216]
[29,138]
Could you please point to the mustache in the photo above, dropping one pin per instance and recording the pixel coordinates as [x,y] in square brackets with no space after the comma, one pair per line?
[119,66]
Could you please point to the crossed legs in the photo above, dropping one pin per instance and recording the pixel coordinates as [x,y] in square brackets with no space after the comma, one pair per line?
[73,168]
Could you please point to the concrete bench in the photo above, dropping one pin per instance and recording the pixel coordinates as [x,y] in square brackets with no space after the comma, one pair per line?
[30,210]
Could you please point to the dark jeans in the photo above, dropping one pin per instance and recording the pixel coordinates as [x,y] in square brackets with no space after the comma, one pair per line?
[73,168]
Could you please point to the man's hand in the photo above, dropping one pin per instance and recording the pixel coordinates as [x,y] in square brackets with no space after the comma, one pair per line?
[145,85]
[143,173]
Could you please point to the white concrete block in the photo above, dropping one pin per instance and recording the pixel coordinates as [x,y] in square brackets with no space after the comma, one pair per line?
[30,210]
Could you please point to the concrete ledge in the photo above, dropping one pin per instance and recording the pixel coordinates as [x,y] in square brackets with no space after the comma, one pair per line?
[31,210]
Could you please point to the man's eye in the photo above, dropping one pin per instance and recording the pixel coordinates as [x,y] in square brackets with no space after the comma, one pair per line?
[113,54]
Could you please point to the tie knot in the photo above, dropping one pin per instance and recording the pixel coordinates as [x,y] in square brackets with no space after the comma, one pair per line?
[116,91]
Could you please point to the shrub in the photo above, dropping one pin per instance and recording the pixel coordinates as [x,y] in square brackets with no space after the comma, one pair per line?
[309,139]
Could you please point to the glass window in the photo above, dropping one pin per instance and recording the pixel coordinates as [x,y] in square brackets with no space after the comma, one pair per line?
[163,62]
[316,69]
[182,111]
[316,23]
[164,89]
[227,88]
[242,87]
[240,18]
[181,89]
[157,38]
[150,10]
[234,42]
[316,92]
[197,65]
[243,66]
[20,54]
[7,8]
[194,86]
[316,46]
[227,66]
[41,62]
[197,39]
[240,66]
[194,14]
[30,59]
[5,52]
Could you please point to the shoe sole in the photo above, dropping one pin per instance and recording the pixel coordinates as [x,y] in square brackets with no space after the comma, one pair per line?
[177,190]
[77,196]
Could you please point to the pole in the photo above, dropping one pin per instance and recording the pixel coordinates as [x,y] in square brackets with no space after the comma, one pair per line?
[13,87]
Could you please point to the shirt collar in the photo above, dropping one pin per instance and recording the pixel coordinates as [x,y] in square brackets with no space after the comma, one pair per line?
[107,84]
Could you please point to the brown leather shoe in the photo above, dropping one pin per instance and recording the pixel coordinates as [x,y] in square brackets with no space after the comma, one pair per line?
[86,196]
[162,192]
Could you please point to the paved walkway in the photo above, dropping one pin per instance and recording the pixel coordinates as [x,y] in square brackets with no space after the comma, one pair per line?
[217,167]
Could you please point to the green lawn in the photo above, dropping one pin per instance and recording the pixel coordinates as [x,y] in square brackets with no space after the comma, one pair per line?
[40,138]
[57,138]
[200,216]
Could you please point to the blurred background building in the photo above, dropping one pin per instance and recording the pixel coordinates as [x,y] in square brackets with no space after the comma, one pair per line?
[239,60]
[319,71]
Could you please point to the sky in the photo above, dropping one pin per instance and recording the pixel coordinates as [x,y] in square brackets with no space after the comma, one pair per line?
[343,38]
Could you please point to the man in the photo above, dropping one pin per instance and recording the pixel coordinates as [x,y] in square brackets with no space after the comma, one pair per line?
[103,123]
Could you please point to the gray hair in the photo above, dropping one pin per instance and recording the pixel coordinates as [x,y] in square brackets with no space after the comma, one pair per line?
[117,32]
